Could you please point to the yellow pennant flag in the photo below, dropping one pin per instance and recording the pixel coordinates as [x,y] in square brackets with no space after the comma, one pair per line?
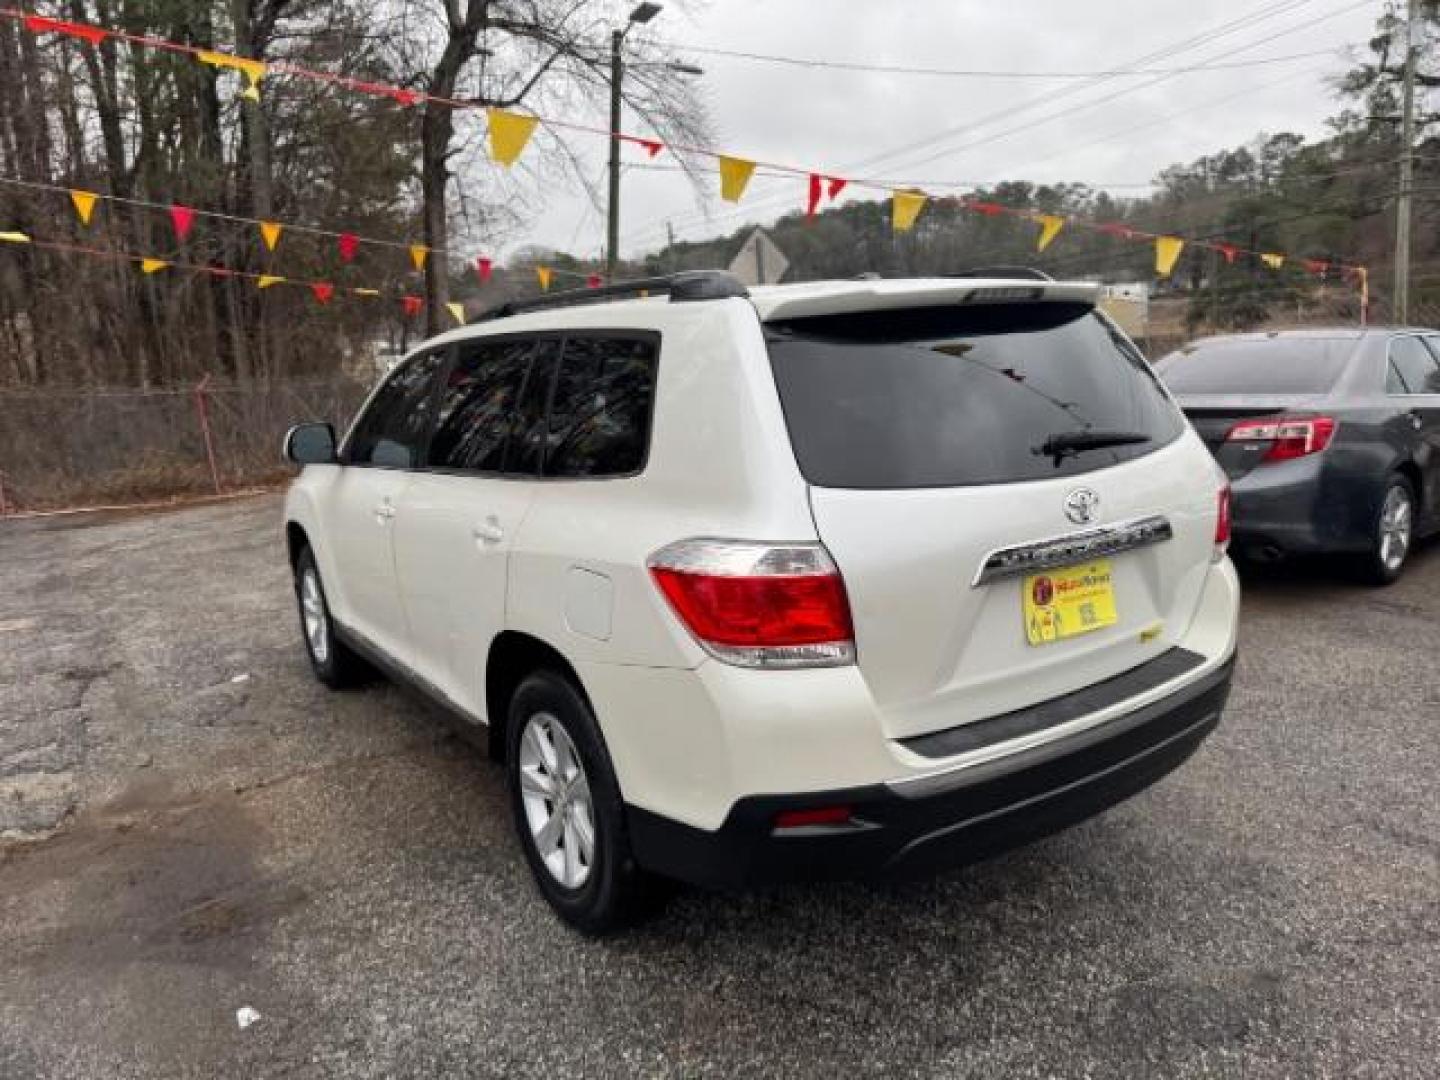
[418,254]
[543,273]
[270,232]
[266,280]
[734,176]
[1050,226]
[457,312]
[152,266]
[905,208]
[509,133]
[1274,262]
[84,204]
[367,292]
[253,70]
[14,238]
[1167,252]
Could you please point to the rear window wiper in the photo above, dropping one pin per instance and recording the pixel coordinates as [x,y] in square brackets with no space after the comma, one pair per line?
[1069,443]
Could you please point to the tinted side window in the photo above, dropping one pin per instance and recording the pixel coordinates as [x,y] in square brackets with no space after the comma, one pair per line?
[477,406]
[600,414]
[526,452]
[1418,369]
[392,431]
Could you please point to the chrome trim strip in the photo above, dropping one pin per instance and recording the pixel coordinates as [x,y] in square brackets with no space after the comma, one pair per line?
[1076,547]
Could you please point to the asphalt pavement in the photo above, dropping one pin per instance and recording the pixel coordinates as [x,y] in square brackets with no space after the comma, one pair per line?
[192,826]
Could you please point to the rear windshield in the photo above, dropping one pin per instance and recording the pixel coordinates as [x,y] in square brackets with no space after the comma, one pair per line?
[944,397]
[1277,366]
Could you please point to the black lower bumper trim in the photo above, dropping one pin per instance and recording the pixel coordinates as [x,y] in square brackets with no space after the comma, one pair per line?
[969,816]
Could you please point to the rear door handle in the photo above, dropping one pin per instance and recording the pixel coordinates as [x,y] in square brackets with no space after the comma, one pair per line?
[1416,420]
[384,512]
[488,531]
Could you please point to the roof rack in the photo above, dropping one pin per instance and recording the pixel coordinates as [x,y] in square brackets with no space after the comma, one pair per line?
[681,287]
[1029,273]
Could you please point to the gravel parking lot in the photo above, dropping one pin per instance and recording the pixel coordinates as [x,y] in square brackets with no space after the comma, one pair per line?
[193,825]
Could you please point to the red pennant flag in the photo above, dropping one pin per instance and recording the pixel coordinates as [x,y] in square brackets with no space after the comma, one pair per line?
[834,186]
[183,218]
[413,305]
[38,24]
[652,147]
[484,268]
[1228,250]
[1114,229]
[1316,266]
[349,245]
[989,209]
[594,281]
[404,97]
[323,291]
[813,201]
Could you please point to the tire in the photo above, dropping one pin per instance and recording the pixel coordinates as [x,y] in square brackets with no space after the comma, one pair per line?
[335,664]
[561,787]
[1392,534]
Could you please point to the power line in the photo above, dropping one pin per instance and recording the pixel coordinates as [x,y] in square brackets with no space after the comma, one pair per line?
[1176,48]
[990,73]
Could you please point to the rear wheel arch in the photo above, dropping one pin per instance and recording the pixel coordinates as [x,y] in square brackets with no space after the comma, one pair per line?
[513,656]
[1411,472]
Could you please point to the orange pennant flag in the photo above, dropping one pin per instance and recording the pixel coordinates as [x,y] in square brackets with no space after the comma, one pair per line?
[270,232]
[905,208]
[84,205]
[1167,253]
[1050,226]
[543,273]
[509,134]
[735,175]
[266,280]
[152,266]
[418,254]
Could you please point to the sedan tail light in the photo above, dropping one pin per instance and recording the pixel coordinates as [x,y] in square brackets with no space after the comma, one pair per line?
[759,605]
[1289,436]
[1222,524]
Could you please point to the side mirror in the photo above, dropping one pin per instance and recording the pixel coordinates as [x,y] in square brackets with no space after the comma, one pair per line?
[310,444]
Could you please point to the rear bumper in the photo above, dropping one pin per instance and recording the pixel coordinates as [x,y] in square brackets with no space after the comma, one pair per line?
[946,819]
[1299,507]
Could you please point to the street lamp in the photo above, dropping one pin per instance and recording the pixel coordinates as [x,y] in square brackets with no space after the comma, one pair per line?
[642,14]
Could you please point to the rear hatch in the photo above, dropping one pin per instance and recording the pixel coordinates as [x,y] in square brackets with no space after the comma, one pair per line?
[929,438]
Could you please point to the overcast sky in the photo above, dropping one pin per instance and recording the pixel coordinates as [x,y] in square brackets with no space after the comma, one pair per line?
[911,127]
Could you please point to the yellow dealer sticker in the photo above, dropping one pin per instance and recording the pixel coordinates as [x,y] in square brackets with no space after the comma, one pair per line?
[1070,601]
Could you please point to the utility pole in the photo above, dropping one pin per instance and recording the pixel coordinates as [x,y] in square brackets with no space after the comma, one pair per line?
[612,235]
[1407,172]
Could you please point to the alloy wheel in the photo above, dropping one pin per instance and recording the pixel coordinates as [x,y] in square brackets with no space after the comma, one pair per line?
[1396,527]
[312,613]
[555,793]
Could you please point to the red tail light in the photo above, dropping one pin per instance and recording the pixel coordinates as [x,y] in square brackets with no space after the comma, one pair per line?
[1222,523]
[759,605]
[820,815]
[1289,436]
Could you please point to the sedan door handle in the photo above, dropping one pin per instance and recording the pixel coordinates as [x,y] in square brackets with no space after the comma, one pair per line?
[1416,420]
[488,532]
[384,512]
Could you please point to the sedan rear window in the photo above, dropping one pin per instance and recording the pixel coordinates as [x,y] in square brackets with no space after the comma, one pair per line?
[953,396]
[1244,366]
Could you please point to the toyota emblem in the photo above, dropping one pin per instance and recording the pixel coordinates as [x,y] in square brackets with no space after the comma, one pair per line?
[1081,506]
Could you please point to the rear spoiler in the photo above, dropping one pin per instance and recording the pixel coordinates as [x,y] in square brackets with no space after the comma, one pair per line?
[858,296]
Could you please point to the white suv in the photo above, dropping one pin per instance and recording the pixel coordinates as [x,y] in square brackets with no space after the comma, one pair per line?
[817,580]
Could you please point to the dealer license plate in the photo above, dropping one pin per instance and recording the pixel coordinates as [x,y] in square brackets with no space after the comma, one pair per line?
[1069,601]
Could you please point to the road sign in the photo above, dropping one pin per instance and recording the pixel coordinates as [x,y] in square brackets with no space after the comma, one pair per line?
[759,261]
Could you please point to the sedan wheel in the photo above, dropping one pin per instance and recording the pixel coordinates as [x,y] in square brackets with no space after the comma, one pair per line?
[1397,528]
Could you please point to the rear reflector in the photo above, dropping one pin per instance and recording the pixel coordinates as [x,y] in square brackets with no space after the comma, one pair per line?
[758,605]
[820,815]
[1222,523]
[1289,436]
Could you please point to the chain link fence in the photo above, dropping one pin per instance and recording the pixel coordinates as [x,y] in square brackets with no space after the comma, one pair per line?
[70,448]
